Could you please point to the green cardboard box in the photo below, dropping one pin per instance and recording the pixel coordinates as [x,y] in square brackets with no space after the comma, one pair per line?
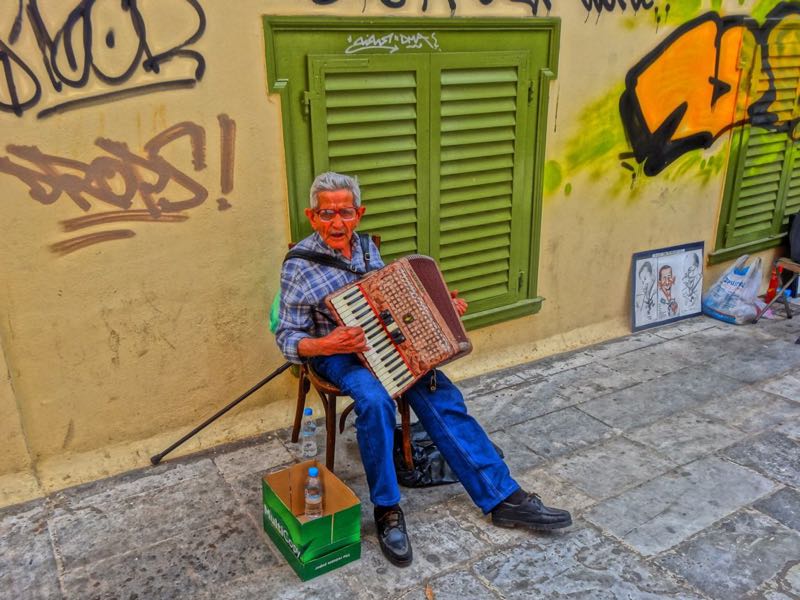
[316,546]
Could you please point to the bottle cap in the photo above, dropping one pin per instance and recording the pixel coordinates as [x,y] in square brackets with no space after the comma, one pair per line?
[313,472]
[307,411]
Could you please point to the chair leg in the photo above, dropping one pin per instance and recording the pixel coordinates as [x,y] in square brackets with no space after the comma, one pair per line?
[405,419]
[329,401]
[303,385]
[343,417]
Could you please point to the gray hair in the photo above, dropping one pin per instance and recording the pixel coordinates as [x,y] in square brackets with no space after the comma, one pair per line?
[329,182]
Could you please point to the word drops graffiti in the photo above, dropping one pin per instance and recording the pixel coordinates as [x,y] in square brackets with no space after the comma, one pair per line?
[117,177]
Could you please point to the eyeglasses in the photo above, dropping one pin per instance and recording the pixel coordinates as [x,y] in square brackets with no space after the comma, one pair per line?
[328,215]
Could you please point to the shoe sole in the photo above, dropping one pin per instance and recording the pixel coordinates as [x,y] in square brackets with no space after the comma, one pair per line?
[396,561]
[512,524]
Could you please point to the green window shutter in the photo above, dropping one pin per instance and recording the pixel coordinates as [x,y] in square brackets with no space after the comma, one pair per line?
[763,186]
[792,204]
[757,197]
[369,118]
[477,196]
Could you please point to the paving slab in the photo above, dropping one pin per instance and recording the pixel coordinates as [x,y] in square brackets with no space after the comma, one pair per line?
[457,585]
[760,361]
[685,327]
[501,409]
[652,400]
[188,564]
[751,409]
[518,457]
[783,506]
[624,345]
[97,526]
[647,363]
[281,582]
[587,566]
[551,365]
[735,556]
[489,382]
[787,386]
[560,432]
[27,562]
[579,384]
[611,467]
[686,436]
[665,511]
[790,429]
[772,454]
[439,544]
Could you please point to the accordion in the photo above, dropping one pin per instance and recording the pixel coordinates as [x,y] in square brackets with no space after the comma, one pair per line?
[408,318]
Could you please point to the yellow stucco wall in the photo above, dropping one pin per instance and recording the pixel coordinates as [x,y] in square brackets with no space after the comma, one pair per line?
[115,349]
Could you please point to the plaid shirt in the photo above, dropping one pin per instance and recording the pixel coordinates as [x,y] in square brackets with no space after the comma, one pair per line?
[305,284]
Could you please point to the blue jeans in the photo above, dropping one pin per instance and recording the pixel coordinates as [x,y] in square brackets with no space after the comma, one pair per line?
[461,440]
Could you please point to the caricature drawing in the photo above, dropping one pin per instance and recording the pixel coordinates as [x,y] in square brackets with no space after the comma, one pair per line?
[646,293]
[667,303]
[692,277]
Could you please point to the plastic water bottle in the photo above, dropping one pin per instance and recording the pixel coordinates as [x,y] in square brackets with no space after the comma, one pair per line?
[308,435]
[313,494]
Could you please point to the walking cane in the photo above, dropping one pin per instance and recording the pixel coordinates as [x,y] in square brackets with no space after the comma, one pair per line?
[157,458]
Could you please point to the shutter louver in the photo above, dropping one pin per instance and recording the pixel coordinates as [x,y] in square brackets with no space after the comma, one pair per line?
[792,204]
[480,108]
[372,121]
[764,195]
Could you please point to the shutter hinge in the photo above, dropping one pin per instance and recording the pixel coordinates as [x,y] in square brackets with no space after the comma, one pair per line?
[531,89]
[520,280]
[305,103]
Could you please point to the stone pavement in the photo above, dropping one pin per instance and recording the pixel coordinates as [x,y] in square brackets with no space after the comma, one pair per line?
[677,449]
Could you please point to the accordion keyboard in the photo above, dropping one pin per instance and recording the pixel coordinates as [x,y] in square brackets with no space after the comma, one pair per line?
[382,335]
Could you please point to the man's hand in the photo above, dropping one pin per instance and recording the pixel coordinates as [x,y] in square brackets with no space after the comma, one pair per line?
[342,340]
[458,303]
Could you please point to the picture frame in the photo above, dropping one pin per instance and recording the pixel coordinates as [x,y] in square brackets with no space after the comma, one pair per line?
[667,285]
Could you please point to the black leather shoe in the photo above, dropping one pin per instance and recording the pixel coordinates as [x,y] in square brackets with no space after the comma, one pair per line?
[393,537]
[530,513]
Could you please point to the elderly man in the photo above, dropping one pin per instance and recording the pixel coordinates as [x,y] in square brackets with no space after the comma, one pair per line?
[307,332]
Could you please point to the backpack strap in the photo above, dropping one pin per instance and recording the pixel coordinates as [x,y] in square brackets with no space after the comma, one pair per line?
[364,238]
[332,261]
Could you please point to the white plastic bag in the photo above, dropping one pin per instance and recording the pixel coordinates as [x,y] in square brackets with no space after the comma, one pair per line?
[734,297]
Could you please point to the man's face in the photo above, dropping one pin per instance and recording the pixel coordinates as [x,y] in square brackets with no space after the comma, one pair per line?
[337,232]
[666,280]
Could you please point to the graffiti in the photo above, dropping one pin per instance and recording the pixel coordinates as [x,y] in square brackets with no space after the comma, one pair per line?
[391,42]
[599,6]
[453,5]
[686,93]
[120,176]
[108,61]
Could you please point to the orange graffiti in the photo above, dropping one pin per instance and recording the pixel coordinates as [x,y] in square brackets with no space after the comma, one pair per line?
[692,87]
[699,70]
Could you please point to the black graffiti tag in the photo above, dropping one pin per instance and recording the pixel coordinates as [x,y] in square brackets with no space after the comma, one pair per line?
[73,52]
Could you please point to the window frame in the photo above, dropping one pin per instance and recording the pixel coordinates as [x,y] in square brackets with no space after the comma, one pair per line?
[283,77]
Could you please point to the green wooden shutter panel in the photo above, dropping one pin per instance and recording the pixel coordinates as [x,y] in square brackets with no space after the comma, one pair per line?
[765,190]
[792,204]
[481,101]
[368,116]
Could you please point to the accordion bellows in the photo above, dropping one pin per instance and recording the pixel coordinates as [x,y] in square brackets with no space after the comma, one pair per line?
[408,317]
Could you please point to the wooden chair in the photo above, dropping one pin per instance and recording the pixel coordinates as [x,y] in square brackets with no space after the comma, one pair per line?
[328,393]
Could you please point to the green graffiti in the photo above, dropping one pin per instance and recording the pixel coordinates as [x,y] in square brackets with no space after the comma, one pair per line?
[552,176]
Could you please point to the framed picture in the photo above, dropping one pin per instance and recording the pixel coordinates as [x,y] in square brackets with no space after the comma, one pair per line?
[667,285]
